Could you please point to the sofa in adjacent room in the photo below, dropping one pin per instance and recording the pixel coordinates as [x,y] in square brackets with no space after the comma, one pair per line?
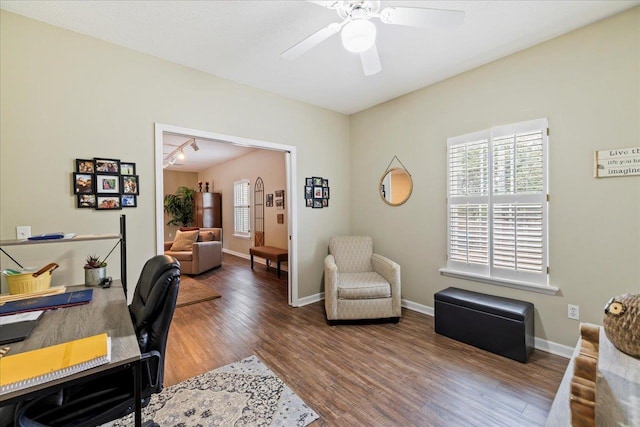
[197,249]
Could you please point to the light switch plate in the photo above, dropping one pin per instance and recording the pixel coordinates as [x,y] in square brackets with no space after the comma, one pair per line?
[23,232]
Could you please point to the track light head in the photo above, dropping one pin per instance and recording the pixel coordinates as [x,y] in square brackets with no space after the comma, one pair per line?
[194,145]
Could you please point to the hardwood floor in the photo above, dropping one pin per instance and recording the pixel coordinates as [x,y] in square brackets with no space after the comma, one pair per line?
[356,375]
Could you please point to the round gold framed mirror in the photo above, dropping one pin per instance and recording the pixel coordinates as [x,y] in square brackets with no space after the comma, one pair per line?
[395,186]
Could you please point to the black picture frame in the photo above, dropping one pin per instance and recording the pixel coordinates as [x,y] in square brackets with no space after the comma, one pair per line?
[130,184]
[308,192]
[308,182]
[128,201]
[86,201]
[83,183]
[325,183]
[127,168]
[108,202]
[325,203]
[269,202]
[317,181]
[309,203]
[85,166]
[107,184]
[325,193]
[317,203]
[104,165]
[317,192]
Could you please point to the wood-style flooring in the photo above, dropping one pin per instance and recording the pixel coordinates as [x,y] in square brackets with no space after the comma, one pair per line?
[356,375]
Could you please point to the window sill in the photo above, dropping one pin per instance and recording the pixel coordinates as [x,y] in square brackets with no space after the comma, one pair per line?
[242,236]
[549,290]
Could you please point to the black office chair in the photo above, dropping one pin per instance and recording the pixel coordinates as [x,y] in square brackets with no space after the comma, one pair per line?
[110,397]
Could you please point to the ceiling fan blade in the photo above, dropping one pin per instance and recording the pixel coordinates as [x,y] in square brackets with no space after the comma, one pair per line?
[370,61]
[440,19]
[329,4]
[311,41]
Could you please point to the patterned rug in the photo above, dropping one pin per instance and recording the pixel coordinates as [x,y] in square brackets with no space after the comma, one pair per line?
[245,393]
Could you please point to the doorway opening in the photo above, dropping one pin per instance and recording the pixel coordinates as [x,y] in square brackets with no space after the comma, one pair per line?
[290,202]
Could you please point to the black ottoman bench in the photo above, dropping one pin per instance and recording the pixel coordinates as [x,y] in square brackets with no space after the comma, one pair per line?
[500,325]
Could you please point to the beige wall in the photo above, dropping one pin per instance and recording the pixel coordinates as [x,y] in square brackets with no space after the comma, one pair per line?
[587,84]
[172,180]
[270,166]
[67,96]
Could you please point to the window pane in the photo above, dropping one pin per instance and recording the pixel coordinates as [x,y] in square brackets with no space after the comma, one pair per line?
[517,164]
[241,206]
[468,173]
[468,233]
[517,237]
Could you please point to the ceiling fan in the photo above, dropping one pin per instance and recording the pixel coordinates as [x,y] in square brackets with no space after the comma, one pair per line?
[359,33]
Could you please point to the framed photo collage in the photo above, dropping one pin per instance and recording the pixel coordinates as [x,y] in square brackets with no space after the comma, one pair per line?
[316,192]
[105,184]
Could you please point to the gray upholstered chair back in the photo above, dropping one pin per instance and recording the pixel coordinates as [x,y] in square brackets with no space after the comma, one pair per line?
[352,253]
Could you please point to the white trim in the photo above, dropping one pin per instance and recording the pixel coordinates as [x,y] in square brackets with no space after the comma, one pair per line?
[508,283]
[246,142]
[159,191]
[255,259]
[310,299]
[553,348]
[414,306]
[539,343]
[234,253]
[242,236]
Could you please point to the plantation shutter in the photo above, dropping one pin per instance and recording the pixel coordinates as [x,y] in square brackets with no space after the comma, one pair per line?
[241,208]
[497,202]
[468,196]
[519,202]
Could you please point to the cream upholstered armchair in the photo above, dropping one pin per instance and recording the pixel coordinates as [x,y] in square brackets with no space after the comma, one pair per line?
[359,284]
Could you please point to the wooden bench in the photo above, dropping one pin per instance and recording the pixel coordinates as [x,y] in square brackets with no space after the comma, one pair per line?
[270,254]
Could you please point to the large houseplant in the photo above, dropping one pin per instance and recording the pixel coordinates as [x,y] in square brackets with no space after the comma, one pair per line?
[179,206]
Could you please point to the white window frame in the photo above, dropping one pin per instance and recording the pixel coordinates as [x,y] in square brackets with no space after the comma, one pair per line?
[538,282]
[240,231]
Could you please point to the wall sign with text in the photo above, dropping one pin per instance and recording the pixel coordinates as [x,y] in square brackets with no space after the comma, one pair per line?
[617,162]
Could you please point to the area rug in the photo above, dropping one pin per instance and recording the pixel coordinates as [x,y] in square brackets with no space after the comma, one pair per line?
[192,292]
[244,393]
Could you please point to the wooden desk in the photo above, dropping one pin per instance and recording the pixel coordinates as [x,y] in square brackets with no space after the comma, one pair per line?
[617,389]
[107,312]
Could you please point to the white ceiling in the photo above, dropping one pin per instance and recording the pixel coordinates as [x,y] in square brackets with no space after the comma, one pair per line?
[242,40]
[210,153]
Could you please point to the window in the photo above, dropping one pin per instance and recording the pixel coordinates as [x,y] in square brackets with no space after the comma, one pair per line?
[497,205]
[241,208]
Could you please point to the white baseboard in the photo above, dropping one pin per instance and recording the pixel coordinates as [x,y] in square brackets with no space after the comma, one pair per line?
[310,299]
[553,347]
[539,343]
[414,306]
[257,260]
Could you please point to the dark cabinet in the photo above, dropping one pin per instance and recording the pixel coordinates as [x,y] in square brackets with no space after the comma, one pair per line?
[208,210]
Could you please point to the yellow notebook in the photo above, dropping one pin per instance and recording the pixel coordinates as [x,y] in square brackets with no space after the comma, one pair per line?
[34,367]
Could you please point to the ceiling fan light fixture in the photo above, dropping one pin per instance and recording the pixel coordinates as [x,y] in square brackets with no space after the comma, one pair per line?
[358,35]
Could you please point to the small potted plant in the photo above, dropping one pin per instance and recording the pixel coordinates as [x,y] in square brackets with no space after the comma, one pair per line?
[94,270]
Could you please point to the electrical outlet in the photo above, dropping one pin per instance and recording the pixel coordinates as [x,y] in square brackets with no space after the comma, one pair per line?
[573,312]
[23,232]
